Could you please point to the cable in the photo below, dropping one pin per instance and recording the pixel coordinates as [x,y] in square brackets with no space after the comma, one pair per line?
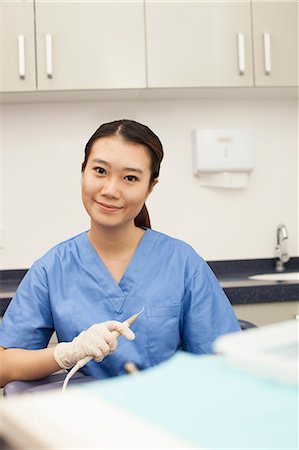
[75,369]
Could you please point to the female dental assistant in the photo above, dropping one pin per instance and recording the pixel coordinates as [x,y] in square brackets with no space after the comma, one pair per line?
[85,287]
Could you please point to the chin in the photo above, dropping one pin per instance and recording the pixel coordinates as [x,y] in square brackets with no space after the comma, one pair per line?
[113,225]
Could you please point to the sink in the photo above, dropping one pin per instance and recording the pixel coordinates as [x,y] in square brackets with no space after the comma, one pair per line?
[280,276]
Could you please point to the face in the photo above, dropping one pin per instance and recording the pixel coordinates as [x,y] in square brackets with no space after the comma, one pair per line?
[116,181]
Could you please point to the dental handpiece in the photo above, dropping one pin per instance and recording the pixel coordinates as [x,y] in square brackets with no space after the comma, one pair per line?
[82,362]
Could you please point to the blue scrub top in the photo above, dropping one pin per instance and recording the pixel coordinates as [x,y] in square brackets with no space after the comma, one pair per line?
[69,289]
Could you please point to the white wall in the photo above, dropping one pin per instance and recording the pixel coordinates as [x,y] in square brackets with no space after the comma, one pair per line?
[42,149]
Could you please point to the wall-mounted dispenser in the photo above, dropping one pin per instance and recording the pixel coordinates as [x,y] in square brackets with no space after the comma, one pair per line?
[222,157]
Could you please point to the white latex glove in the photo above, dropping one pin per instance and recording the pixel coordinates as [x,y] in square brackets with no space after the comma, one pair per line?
[98,341]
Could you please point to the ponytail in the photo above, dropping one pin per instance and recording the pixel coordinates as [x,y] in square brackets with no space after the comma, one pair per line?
[143,219]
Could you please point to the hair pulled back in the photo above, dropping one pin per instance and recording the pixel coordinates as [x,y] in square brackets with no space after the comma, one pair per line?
[132,131]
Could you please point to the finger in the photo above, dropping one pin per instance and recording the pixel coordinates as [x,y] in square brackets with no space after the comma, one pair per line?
[94,351]
[121,328]
[104,347]
[112,325]
[101,352]
[99,357]
[97,346]
[125,331]
[113,345]
[101,331]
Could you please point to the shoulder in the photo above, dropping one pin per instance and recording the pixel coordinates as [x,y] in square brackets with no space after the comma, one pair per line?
[175,243]
[178,249]
[48,269]
[60,251]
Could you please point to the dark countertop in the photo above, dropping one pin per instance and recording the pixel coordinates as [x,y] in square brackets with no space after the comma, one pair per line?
[9,281]
[231,274]
[233,277]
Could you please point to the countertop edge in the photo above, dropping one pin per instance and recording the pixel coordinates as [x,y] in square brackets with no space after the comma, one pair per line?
[233,276]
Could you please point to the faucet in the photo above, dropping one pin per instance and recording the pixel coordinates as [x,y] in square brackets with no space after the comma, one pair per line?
[281,247]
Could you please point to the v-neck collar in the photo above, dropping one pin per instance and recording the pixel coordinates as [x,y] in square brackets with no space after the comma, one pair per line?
[119,292]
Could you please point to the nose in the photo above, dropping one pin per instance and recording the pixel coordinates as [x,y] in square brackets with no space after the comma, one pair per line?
[110,188]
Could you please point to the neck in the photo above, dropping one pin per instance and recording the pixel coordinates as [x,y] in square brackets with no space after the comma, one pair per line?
[111,241]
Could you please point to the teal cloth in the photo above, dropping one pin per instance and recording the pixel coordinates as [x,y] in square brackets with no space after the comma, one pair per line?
[206,401]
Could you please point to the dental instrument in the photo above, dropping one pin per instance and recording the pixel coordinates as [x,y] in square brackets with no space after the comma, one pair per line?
[85,360]
[131,368]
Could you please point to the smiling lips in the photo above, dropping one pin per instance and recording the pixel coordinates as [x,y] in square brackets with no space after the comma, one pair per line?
[107,207]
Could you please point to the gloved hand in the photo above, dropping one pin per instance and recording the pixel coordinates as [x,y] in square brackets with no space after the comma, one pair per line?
[98,341]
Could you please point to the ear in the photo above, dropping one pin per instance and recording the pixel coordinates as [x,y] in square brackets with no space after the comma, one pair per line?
[153,184]
[150,189]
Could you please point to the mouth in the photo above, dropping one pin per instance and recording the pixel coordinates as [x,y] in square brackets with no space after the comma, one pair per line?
[108,207]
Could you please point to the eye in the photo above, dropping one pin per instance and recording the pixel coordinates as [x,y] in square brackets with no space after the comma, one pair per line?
[131,178]
[99,170]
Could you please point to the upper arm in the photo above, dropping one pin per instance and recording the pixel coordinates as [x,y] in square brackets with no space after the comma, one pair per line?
[28,322]
[207,312]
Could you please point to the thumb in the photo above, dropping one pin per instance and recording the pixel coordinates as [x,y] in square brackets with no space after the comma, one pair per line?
[121,328]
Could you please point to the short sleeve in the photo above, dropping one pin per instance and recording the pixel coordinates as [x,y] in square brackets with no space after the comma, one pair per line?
[27,322]
[207,312]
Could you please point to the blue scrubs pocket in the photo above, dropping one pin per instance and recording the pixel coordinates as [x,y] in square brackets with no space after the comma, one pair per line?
[163,331]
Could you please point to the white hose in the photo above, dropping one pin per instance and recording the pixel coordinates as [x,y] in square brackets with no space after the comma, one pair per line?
[75,369]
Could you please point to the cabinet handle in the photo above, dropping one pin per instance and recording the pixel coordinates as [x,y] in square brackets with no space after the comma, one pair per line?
[267,53]
[49,56]
[241,53]
[21,47]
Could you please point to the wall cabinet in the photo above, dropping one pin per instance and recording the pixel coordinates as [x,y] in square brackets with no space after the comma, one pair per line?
[17,46]
[267,313]
[79,45]
[275,39]
[90,45]
[192,44]
[67,45]
[222,44]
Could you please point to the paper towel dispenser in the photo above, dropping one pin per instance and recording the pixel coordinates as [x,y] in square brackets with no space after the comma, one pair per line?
[222,157]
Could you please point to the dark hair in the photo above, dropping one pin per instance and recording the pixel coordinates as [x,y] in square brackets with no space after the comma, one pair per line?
[132,131]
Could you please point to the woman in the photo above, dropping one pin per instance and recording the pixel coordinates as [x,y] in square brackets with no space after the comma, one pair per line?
[110,272]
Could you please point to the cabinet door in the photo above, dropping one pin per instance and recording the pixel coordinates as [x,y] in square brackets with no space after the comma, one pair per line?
[275,26]
[192,44]
[267,313]
[90,45]
[17,61]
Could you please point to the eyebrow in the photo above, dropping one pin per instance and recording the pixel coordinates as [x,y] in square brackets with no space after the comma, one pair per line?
[125,169]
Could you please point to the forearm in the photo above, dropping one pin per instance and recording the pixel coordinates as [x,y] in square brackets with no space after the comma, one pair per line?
[19,364]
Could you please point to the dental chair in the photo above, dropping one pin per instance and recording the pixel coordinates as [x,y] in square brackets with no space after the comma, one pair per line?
[55,381]
[245,324]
